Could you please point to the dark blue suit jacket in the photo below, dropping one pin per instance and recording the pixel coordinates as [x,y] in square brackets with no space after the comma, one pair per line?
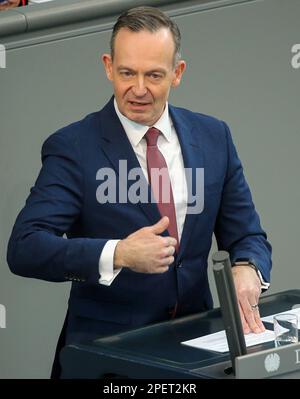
[63,200]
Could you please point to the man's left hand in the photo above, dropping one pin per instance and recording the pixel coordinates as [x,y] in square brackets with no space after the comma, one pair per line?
[248,290]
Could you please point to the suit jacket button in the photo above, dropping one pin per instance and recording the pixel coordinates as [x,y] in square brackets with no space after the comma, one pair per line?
[179,265]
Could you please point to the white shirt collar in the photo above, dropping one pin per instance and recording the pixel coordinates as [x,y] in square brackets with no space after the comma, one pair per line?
[136,131]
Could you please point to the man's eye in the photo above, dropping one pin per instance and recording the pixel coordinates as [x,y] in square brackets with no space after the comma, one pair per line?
[155,76]
[126,73]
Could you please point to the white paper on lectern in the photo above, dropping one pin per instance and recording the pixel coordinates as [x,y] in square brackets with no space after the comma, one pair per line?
[217,342]
[296,311]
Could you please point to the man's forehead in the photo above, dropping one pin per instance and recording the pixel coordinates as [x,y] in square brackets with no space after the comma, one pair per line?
[145,46]
[163,33]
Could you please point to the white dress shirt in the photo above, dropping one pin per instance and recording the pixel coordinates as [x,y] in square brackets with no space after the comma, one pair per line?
[169,146]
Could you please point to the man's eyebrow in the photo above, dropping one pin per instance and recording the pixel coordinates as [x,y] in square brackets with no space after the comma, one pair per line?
[120,67]
[157,70]
[154,70]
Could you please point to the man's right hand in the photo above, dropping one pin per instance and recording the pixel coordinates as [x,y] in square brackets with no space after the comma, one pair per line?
[145,250]
[9,4]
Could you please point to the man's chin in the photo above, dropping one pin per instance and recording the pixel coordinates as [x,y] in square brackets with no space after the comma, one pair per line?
[138,117]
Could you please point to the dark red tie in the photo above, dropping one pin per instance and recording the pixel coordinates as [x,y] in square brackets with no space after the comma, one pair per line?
[161,186]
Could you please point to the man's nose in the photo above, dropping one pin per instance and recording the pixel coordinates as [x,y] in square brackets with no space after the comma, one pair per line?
[139,89]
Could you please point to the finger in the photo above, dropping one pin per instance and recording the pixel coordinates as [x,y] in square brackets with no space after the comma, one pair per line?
[168,260]
[258,319]
[168,251]
[249,314]
[160,226]
[162,269]
[256,315]
[169,241]
[245,325]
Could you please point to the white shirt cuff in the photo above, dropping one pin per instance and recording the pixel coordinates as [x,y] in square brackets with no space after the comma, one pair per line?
[106,263]
[264,285]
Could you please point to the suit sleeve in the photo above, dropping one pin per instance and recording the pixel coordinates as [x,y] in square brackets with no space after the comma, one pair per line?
[37,247]
[238,228]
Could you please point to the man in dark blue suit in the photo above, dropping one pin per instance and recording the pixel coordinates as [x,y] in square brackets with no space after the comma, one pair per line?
[130,264]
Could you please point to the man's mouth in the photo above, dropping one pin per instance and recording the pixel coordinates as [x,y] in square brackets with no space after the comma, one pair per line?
[138,103]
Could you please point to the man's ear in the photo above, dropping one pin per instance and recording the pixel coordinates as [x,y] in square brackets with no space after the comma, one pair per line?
[179,69]
[107,62]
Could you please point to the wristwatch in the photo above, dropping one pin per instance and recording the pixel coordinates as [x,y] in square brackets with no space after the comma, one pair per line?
[251,263]
[245,262]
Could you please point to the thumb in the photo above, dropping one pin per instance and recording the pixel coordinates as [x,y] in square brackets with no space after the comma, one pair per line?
[160,226]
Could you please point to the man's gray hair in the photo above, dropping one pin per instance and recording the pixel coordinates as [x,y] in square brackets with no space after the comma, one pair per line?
[150,19]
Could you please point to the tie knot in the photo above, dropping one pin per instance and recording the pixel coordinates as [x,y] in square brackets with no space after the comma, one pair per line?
[152,136]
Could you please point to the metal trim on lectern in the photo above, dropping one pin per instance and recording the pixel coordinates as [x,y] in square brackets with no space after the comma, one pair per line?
[269,363]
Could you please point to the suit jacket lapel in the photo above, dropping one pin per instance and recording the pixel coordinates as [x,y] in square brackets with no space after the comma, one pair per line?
[116,146]
[192,152]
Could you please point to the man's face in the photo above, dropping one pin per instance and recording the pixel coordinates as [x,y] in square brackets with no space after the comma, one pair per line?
[142,73]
